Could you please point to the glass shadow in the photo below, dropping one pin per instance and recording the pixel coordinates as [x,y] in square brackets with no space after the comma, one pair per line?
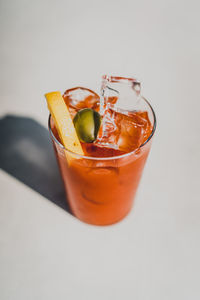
[26,152]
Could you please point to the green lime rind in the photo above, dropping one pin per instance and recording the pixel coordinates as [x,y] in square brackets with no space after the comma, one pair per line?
[87,123]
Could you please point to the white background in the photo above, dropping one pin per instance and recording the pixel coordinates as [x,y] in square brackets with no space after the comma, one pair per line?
[46,253]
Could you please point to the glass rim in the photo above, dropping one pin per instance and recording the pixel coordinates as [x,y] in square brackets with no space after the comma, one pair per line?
[111,157]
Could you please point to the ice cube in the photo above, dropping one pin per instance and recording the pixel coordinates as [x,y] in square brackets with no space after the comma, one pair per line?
[125,132]
[124,93]
[124,126]
[80,97]
[131,131]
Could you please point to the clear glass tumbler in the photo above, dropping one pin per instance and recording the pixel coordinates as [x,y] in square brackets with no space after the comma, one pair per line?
[101,191]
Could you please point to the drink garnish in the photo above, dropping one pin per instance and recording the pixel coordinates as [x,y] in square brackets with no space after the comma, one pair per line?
[87,123]
[63,122]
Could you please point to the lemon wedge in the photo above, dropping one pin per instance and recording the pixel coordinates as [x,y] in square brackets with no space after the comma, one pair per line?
[63,122]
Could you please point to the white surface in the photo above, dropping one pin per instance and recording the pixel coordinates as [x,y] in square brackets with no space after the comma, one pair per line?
[45,253]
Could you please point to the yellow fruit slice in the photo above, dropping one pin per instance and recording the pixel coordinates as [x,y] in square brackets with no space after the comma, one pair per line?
[63,122]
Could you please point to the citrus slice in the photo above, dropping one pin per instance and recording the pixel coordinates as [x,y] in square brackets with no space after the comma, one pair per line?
[63,122]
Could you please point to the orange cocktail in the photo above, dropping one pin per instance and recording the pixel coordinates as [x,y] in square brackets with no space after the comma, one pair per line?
[101,184]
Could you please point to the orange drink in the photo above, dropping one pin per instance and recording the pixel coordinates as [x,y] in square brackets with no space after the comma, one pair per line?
[101,184]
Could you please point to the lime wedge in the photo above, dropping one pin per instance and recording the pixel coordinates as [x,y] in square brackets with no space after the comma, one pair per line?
[87,123]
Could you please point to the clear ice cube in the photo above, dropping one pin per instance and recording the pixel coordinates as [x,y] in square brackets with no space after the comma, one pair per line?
[80,97]
[123,93]
[122,126]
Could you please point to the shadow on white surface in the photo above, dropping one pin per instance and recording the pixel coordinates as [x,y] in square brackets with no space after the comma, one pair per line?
[27,154]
